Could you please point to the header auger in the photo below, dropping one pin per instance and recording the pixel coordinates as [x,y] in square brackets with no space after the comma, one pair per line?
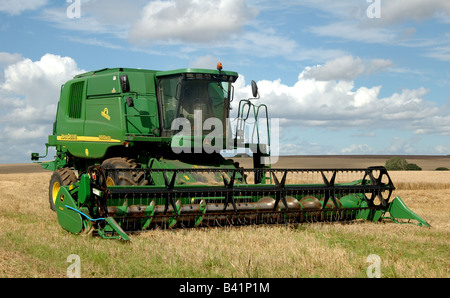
[139,149]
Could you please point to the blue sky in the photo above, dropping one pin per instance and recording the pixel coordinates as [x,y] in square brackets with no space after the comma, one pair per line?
[342,77]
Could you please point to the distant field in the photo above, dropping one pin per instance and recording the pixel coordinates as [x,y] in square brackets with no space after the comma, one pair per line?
[426,162]
[32,244]
[21,168]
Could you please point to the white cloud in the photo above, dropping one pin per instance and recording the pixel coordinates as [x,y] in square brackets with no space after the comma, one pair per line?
[365,134]
[392,11]
[8,58]
[197,26]
[349,21]
[261,43]
[264,44]
[108,17]
[24,134]
[269,43]
[441,149]
[190,21]
[356,31]
[440,53]
[358,149]
[395,11]
[5,60]
[346,68]
[402,146]
[206,61]
[435,124]
[15,7]
[38,81]
[377,65]
[29,93]
[337,104]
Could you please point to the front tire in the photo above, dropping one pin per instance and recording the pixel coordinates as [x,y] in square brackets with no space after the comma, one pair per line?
[60,177]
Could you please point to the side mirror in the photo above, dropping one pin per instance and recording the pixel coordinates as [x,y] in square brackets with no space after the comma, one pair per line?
[124,83]
[130,102]
[254,89]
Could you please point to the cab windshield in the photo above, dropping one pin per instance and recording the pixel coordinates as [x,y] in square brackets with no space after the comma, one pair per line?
[184,98]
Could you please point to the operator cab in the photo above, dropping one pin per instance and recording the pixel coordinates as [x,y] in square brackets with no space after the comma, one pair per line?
[191,93]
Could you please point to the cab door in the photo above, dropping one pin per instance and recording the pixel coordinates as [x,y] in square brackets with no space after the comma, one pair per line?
[140,104]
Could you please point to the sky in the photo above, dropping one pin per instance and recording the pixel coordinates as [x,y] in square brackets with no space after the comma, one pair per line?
[341,77]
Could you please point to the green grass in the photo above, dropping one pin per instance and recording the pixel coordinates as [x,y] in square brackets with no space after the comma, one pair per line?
[264,251]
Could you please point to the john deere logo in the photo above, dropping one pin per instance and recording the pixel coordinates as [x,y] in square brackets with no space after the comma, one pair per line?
[105,114]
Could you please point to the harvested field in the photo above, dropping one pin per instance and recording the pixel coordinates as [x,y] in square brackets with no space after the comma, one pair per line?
[32,244]
[426,162]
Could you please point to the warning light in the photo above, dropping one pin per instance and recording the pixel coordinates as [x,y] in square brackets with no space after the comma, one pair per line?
[219,66]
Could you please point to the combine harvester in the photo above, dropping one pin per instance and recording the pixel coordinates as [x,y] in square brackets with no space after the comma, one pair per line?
[138,149]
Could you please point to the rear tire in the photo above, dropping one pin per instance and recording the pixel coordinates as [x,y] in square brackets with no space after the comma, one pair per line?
[60,177]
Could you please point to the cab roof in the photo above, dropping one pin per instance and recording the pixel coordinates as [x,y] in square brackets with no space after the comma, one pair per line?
[157,73]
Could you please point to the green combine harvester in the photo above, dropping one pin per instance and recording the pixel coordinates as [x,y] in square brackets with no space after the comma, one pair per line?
[138,149]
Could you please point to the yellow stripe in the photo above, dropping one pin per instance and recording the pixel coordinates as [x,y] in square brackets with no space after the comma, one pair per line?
[75,138]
